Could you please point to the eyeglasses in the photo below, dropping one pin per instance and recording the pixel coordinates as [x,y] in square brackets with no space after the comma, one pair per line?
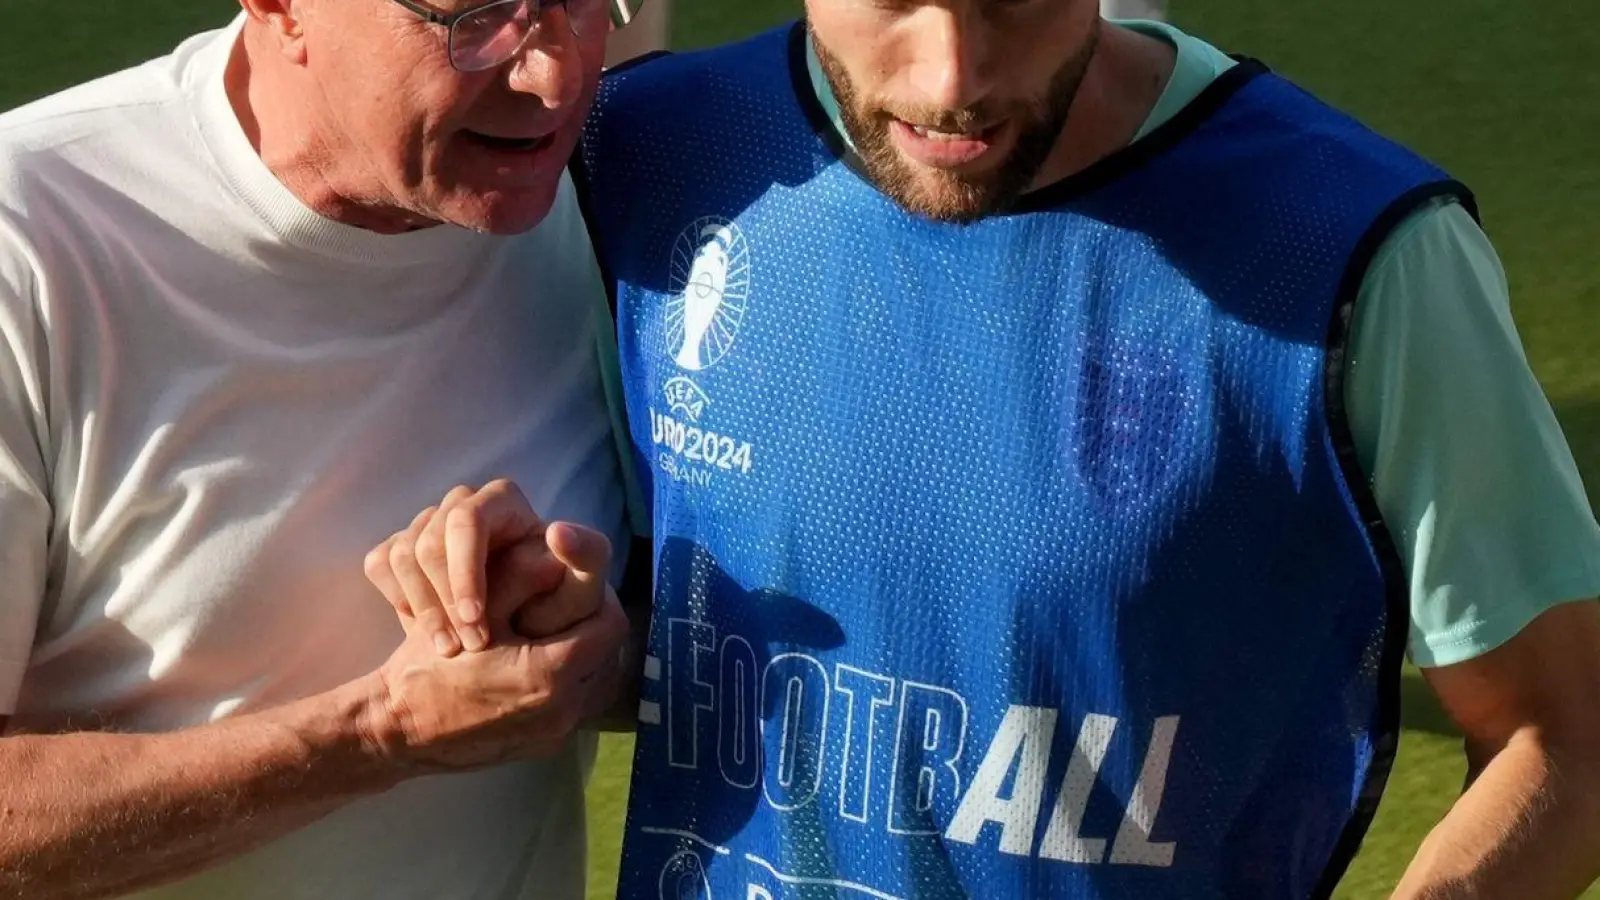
[487,35]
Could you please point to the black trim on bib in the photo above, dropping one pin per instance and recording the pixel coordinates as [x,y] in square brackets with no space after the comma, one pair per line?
[638,578]
[806,95]
[582,186]
[1160,140]
[1397,588]
[1097,175]
[641,59]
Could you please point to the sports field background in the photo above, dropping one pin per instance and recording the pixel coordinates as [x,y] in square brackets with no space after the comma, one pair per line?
[1506,95]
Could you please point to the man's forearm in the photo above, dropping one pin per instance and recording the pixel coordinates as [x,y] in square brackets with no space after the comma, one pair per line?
[1527,828]
[98,815]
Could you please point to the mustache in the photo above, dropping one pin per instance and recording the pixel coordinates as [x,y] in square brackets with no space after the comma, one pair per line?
[965,121]
[971,120]
[951,120]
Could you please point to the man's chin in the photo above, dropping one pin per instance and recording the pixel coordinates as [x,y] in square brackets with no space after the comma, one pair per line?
[503,213]
[941,196]
[960,195]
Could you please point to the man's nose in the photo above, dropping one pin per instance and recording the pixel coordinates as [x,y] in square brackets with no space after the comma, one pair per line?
[949,65]
[550,66]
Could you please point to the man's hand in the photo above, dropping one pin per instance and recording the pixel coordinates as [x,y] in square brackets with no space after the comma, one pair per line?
[513,700]
[465,571]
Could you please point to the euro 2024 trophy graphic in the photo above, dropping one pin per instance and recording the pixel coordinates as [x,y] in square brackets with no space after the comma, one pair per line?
[710,271]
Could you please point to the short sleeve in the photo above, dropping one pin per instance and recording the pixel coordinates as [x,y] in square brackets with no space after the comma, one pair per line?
[25,515]
[611,376]
[1467,461]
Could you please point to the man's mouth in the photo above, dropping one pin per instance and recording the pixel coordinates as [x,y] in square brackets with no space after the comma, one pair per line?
[510,144]
[944,149]
[934,134]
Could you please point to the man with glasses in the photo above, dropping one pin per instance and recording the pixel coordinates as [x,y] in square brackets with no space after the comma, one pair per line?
[261,300]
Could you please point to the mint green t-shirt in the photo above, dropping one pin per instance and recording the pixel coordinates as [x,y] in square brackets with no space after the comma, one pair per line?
[1466,460]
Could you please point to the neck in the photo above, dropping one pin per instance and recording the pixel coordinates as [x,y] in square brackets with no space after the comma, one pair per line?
[1122,84]
[282,114]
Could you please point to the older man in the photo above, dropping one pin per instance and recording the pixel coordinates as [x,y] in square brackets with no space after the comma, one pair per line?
[243,291]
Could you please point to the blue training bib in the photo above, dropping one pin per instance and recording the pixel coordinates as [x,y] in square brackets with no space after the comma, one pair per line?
[1022,559]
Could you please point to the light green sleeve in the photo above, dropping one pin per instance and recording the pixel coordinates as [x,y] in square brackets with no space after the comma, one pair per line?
[1468,464]
[611,379]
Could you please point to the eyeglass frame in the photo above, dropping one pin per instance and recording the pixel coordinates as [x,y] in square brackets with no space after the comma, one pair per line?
[448,22]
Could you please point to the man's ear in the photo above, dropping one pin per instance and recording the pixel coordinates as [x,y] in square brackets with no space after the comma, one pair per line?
[281,22]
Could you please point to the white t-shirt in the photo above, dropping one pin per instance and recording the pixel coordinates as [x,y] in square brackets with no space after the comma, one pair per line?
[213,402]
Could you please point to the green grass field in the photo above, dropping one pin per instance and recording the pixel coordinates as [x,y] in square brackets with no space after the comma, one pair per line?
[1501,93]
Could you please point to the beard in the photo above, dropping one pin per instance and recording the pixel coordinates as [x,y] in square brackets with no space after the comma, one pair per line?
[949,196]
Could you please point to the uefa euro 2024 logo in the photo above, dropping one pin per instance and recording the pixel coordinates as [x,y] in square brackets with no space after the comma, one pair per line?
[710,284]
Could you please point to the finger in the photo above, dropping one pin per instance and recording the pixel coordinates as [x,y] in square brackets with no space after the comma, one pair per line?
[381,573]
[554,613]
[378,571]
[585,555]
[433,557]
[495,517]
[520,576]
[426,608]
[580,651]
[586,552]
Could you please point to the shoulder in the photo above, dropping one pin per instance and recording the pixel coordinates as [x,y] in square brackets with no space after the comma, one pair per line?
[74,162]
[666,77]
[131,94]
[1444,232]
[1435,268]
[1331,149]
[1466,456]
[77,167]
[88,136]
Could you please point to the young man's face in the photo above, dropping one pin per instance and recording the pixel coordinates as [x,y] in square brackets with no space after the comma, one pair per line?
[954,105]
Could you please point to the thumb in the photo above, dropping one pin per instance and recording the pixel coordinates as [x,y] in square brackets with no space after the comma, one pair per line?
[585,552]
